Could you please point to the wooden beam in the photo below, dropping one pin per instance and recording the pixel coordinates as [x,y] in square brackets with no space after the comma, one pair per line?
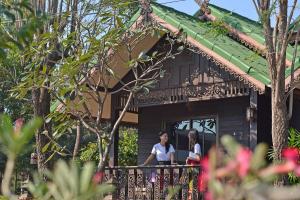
[253,121]
[114,151]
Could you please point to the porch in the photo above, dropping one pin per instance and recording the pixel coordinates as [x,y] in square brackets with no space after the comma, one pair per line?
[154,182]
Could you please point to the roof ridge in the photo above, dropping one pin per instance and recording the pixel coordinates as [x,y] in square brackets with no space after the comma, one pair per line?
[234,13]
[173,9]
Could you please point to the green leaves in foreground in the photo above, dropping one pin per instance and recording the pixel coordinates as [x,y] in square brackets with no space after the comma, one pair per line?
[13,139]
[69,182]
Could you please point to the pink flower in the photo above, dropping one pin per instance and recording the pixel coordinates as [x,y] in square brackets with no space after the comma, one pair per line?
[208,196]
[202,181]
[278,169]
[98,177]
[228,169]
[18,125]
[297,171]
[284,168]
[243,158]
[203,176]
[205,163]
[291,154]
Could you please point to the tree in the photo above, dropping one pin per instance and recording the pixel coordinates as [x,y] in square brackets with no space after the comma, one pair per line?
[78,38]
[66,38]
[146,69]
[277,40]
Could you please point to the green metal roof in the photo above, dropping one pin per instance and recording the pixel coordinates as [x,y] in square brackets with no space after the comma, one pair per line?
[253,29]
[246,59]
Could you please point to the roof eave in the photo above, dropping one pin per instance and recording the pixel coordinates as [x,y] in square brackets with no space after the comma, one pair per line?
[257,85]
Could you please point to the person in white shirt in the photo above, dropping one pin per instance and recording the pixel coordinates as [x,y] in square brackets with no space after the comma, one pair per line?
[194,148]
[162,151]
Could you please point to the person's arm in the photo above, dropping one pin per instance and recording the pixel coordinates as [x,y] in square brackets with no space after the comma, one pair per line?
[151,156]
[197,153]
[172,155]
[172,158]
[149,159]
[196,158]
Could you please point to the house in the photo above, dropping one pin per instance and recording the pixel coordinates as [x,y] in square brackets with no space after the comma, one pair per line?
[219,84]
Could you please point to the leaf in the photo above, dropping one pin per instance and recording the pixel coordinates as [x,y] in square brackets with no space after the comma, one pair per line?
[48,120]
[230,144]
[154,53]
[119,22]
[86,176]
[45,148]
[259,156]
[110,71]
[180,48]
[50,157]
[141,55]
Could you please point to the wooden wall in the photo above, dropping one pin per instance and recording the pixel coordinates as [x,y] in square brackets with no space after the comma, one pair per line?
[264,117]
[295,122]
[192,77]
[186,70]
[231,115]
[191,68]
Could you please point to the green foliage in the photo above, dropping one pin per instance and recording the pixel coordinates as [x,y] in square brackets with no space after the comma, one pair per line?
[18,23]
[11,74]
[69,182]
[89,152]
[13,142]
[294,138]
[128,147]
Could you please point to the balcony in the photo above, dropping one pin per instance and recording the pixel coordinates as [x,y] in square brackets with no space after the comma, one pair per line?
[153,182]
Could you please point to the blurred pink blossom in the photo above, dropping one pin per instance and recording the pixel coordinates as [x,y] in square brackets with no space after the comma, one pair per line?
[243,158]
[208,196]
[18,125]
[291,154]
[98,177]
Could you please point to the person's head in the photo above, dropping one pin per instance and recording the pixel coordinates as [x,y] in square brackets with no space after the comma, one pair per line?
[163,136]
[193,135]
[193,138]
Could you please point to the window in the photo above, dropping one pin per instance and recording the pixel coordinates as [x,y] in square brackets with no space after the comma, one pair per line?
[207,135]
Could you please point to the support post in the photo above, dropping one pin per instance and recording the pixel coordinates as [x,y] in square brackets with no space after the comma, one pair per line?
[253,120]
[114,151]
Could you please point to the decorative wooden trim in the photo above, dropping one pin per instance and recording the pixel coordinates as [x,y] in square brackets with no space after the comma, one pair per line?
[203,91]
[288,79]
[233,69]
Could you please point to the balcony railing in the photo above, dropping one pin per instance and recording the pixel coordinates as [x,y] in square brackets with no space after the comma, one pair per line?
[154,182]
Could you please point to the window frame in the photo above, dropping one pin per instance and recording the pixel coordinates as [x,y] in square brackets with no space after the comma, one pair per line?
[190,119]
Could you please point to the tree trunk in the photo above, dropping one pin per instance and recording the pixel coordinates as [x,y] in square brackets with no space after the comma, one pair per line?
[41,100]
[279,124]
[77,142]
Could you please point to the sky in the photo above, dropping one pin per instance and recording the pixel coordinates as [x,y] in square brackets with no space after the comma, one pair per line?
[242,7]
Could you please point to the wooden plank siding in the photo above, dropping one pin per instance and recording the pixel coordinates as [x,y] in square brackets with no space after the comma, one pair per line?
[192,77]
[264,120]
[295,121]
[231,119]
